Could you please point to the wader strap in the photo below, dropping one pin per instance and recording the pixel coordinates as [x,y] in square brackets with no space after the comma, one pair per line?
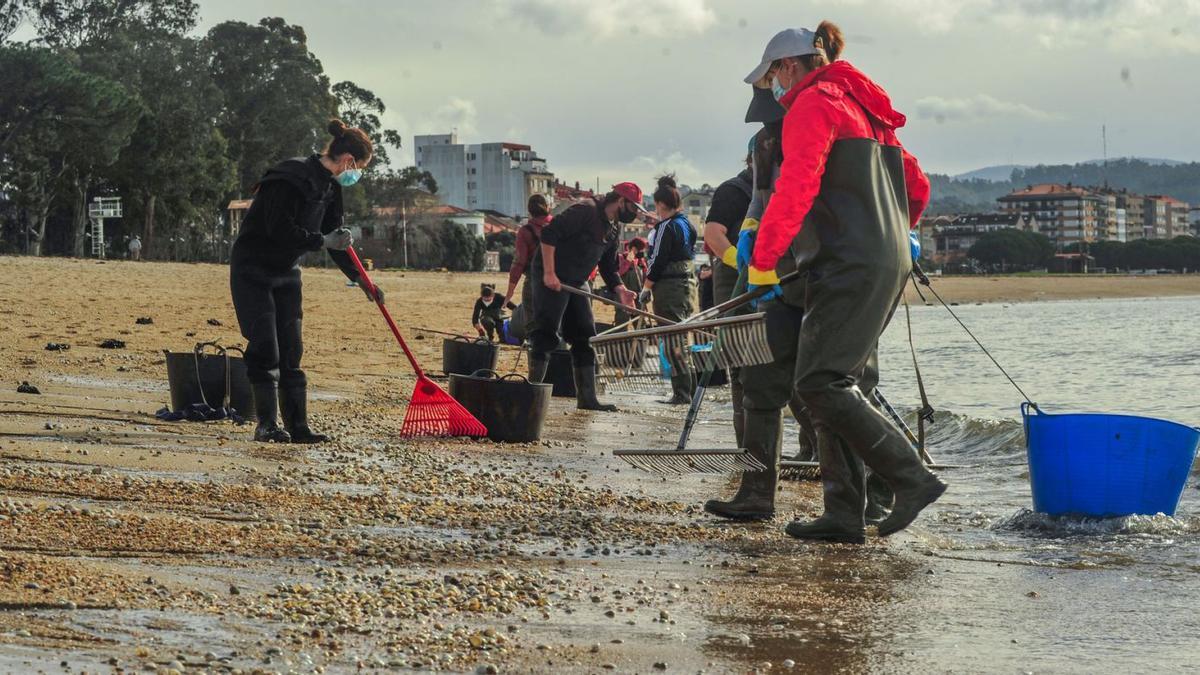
[925,414]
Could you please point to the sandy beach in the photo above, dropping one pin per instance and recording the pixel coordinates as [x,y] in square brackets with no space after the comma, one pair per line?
[130,543]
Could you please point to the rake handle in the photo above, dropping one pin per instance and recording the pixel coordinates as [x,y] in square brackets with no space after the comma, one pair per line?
[632,310]
[744,298]
[364,278]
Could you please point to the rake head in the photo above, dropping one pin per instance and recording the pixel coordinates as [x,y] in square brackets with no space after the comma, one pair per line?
[682,462]
[796,470]
[731,342]
[433,412]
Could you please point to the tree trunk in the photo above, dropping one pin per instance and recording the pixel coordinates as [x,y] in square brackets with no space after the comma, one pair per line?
[79,218]
[148,235]
[42,216]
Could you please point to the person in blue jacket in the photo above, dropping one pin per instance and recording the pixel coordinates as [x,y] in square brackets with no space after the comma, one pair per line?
[671,282]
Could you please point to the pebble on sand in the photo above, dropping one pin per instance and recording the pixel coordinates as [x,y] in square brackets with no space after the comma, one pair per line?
[26,388]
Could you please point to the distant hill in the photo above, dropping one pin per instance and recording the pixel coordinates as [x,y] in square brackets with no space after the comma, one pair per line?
[1143,176]
[1152,161]
[997,174]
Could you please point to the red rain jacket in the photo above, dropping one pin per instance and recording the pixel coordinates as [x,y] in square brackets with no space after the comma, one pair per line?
[830,104]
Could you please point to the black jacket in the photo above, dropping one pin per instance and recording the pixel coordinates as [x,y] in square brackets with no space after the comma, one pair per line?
[582,239]
[295,204]
[674,241]
[494,310]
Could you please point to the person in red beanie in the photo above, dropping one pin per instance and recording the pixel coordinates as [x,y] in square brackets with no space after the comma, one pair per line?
[580,239]
[845,199]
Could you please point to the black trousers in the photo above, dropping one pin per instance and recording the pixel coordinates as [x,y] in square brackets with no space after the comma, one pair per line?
[490,325]
[561,316]
[269,312]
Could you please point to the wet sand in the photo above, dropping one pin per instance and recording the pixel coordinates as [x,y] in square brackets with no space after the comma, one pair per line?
[130,543]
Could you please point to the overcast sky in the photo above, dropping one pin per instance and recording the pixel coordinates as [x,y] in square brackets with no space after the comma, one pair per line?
[622,89]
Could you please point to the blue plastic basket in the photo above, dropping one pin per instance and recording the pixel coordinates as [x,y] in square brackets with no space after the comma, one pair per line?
[1107,465]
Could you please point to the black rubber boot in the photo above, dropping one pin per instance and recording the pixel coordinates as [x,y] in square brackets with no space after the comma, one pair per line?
[807,438]
[538,365]
[735,395]
[294,406]
[879,499]
[888,452]
[682,387]
[844,487]
[266,407]
[755,498]
[585,390]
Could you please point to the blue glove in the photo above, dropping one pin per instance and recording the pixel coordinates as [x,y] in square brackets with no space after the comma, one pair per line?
[914,244]
[775,293]
[745,249]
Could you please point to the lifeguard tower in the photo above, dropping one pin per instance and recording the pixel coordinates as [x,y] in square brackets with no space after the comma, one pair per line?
[100,209]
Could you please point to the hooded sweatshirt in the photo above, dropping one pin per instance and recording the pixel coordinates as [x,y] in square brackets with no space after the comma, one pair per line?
[830,104]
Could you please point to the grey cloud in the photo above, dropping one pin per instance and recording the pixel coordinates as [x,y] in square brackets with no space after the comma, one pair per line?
[611,17]
[975,108]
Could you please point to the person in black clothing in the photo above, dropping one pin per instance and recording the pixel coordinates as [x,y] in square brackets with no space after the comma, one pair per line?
[704,280]
[297,208]
[487,317]
[573,244]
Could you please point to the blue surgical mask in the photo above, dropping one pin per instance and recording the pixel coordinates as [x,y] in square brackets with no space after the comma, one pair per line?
[349,177]
[777,89]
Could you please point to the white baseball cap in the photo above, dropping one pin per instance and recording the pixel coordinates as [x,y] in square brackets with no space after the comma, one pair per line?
[786,43]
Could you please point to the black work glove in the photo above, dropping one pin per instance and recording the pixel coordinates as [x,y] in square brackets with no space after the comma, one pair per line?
[367,292]
[510,305]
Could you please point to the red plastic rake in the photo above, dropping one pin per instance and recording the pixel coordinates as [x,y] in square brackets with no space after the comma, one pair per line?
[431,411]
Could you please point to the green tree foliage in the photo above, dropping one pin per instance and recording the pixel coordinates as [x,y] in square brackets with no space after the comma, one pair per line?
[361,108]
[73,23]
[12,15]
[58,125]
[175,168]
[1181,181]
[1179,254]
[1008,250]
[461,250]
[505,243]
[276,94]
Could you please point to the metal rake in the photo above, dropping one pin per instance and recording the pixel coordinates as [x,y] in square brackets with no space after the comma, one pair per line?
[681,460]
[737,341]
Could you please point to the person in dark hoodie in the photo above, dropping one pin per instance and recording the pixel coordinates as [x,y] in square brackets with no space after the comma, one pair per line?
[845,199]
[488,314]
[297,209]
[670,281]
[576,242]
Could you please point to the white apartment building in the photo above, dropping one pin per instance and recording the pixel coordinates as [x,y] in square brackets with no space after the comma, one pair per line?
[485,176]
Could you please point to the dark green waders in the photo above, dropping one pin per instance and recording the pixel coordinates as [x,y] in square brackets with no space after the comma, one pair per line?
[675,299]
[855,247]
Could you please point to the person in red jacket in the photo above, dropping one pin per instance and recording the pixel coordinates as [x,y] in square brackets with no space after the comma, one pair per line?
[529,237]
[845,199]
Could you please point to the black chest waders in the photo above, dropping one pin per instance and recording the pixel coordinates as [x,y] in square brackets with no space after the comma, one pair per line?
[267,298]
[855,247]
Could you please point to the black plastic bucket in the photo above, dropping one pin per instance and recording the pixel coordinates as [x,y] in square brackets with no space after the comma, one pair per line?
[462,356]
[511,407]
[197,377]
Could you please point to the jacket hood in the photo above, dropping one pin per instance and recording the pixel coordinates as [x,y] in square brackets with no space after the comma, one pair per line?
[840,75]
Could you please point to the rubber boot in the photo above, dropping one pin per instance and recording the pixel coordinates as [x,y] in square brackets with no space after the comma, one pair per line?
[266,407]
[681,390]
[807,438]
[886,450]
[585,390]
[879,499]
[538,365]
[735,396]
[294,406]
[844,491]
[755,498]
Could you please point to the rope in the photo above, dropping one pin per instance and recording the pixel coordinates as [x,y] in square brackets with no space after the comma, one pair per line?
[925,414]
[919,275]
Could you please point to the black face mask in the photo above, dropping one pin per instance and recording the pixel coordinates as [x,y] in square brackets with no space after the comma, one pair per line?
[628,215]
[640,255]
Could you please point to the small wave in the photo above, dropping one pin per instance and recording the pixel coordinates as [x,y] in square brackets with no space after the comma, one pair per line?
[1028,521]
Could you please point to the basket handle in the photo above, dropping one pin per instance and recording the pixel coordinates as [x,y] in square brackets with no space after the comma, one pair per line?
[495,375]
[197,352]
[516,376]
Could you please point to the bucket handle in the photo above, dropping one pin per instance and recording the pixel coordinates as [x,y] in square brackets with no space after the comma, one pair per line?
[197,352]
[515,376]
[485,371]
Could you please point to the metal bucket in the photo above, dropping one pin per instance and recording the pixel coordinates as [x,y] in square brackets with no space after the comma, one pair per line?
[463,356]
[216,379]
[511,407]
